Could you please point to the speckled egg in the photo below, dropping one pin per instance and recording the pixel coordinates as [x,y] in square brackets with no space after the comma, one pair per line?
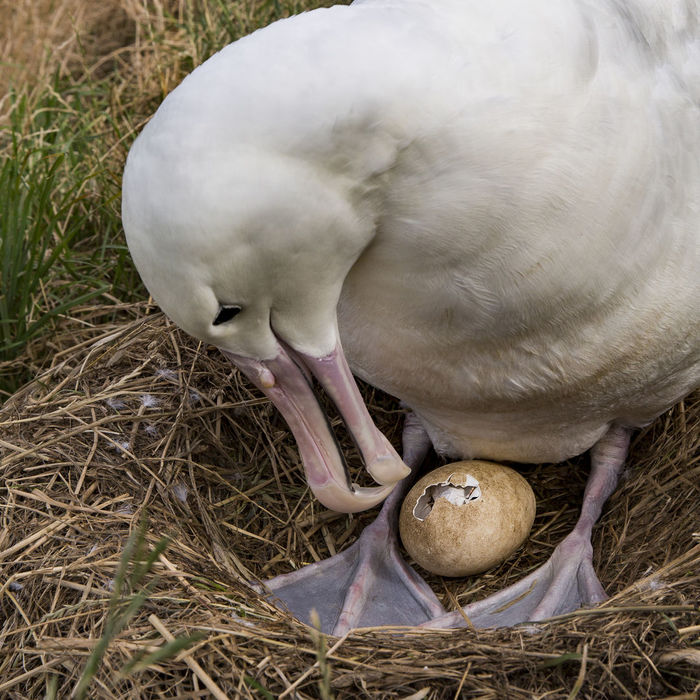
[466,517]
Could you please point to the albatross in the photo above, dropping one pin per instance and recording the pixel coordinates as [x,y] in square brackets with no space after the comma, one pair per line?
[490,211]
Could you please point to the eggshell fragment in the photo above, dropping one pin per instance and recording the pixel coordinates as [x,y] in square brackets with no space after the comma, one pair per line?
[466,517]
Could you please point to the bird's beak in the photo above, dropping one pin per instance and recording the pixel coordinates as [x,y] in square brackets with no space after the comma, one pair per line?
[284,380]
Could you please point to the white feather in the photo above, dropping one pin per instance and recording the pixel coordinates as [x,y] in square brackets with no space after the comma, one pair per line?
[508,193]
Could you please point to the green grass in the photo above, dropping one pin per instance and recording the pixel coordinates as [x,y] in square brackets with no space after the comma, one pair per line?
[60,230]
[43,213]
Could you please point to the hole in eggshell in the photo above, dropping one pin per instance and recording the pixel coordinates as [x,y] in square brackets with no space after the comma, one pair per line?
[460,493]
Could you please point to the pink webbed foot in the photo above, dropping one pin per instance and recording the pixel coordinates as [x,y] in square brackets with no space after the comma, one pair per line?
[567,581]
[368,584]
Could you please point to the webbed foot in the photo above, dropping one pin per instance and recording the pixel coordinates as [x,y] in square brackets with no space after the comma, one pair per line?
[567,581]
[368,584]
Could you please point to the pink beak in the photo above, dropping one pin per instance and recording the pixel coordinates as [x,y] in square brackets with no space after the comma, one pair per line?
[284,380]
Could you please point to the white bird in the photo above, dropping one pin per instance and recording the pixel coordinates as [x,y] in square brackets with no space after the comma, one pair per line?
[492,210]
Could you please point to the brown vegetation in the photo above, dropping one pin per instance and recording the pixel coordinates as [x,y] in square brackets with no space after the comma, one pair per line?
[133,416]
[138,416]
[43,37]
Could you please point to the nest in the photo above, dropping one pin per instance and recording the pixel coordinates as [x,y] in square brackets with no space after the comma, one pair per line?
[139,418]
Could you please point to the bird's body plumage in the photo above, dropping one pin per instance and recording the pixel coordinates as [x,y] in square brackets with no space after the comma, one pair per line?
[536,274]
[492,208]
[534,189]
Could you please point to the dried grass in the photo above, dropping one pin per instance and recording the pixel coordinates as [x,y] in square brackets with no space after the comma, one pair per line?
[41,37]
[138,416]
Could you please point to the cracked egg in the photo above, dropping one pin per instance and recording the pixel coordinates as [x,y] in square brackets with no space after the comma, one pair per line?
[466,517]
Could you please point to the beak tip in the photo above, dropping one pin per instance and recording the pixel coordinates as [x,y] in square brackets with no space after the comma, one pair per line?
[388,470]
[343,500]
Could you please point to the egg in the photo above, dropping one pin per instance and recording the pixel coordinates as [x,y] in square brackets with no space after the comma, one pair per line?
[466,517]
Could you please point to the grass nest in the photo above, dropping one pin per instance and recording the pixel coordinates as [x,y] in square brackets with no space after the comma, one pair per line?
[139,418]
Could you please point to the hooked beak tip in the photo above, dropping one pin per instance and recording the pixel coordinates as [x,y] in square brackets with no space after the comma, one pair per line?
[344,500]
[388,470]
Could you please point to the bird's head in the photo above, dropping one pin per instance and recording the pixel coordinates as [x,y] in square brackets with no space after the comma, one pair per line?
[249,251]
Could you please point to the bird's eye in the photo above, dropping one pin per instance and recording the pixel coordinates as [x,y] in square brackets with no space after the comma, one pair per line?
[226,313]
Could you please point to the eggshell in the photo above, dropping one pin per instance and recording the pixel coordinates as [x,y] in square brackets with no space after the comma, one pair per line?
[466,530]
